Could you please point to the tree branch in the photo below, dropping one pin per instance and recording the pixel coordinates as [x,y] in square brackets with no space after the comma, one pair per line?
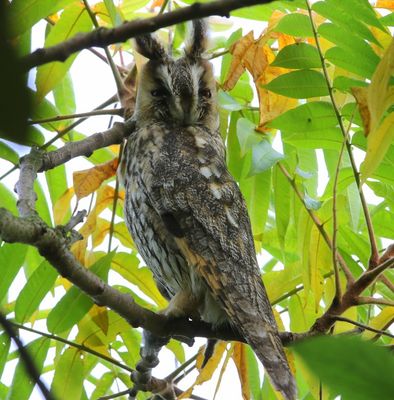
[87,146]
[103,37]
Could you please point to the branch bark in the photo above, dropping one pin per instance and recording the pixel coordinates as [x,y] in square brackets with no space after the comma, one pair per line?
[102,37]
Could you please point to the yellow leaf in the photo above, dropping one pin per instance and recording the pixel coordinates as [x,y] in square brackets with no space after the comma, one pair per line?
[380,322]
[89,180]
[241,362]
[223,369]
[62,206]
[389,4]
[378,143]
[340,326]
[100,317]
[380,94]
[101,231]
[208,370]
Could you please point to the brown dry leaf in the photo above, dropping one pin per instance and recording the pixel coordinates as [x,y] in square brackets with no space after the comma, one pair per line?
[241,362]
[255,56]
[238,50]
[207,372]
[62,205]
[105,197]
[361,96]
[89,180]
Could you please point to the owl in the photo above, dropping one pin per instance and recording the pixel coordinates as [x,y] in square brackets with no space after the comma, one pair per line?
[184,210]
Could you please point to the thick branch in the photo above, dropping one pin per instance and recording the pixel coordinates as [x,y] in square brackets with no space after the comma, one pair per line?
[53,246]
[86,147]
[103,37]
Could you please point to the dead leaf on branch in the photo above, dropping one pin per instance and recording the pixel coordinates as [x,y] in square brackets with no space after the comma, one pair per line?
[89,180]
[255,56]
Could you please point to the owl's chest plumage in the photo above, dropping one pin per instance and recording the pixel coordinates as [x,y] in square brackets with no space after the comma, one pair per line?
[157,157]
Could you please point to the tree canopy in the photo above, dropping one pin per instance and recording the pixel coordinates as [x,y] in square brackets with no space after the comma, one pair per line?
[306,105]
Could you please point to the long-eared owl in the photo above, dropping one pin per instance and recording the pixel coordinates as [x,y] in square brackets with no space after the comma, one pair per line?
[184,210]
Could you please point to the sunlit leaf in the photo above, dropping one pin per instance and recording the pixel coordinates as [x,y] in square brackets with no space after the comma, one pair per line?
[298,56]
[34,291]
[263,157]
[89,180]
[240,359]
[295,25]
[11,260]
[7,153]
[69,374]
[22,385]
[74,19]
[300,84]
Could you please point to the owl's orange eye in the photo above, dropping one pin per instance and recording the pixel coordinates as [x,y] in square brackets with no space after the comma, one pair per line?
[205,93]
[159,92]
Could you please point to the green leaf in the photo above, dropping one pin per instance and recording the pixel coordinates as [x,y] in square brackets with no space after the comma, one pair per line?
[113,12]
[257,192]
[228,102]
[383,222]
[281,188]
[34,291]
[352,62]
[5,343]
[330,138]
[6,153]
[63,94]
[75,304]
[57,182]
[25,13]
[7,199]
[263,157]
[310,117]
[22,385]
[332,10]
[298,56]
[301,84]
[69,375]
[127,265]
[42,203]
[253,374]
[350,367]
[295,25]
[73,20]
[11,260]
[15,102]
[344,83]
[103,385]
[247,135]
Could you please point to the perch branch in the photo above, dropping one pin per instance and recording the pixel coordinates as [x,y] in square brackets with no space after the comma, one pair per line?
[85,147]
[103,37]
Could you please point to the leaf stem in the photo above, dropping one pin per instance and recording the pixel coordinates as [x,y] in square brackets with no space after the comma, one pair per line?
[374,258]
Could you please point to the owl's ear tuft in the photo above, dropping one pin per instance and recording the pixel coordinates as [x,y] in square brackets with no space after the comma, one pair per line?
[196,44]
[150,47]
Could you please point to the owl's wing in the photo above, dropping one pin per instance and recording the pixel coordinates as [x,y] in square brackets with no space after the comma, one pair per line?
[203,208]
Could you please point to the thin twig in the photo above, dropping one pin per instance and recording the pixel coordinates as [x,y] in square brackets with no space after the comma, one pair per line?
[111,63]
[374,258]
[28,362]
[374,300]
[115,111]
[181,368]
[80,347]
[115,395]
[366,327]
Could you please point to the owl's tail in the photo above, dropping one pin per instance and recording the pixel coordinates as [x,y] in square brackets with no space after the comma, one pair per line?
[266,343]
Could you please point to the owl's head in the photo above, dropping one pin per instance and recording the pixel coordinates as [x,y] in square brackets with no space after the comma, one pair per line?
[180,92]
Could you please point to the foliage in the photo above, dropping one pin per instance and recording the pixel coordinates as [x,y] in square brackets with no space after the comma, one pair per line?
[297,116]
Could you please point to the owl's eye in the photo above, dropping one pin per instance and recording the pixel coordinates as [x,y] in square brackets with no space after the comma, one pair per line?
[205,93]
[159,92]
